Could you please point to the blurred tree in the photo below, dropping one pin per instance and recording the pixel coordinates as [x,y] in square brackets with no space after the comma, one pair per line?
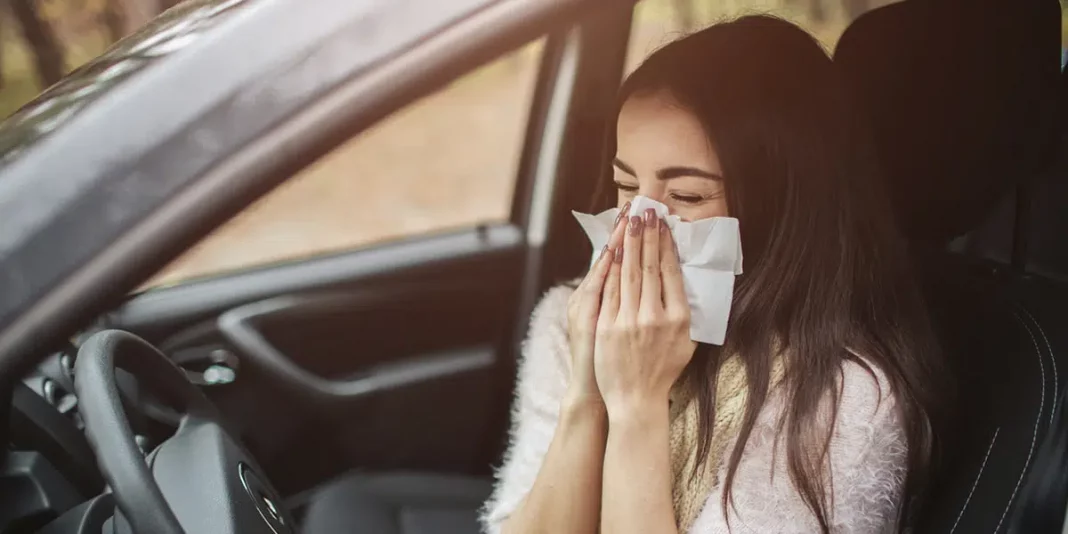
[42,40]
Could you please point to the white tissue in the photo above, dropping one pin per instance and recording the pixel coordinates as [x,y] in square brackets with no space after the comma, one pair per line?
[711,254]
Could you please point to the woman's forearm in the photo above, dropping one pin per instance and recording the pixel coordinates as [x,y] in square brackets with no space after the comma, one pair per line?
[566,496]
[637,473]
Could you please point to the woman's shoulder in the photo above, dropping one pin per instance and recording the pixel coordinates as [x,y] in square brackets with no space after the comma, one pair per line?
[867,461]
[869,426]
[863,404]
[551,311]
[865,393]
[544,356]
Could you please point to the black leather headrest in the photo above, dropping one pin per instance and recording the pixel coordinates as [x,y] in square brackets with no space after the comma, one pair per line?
[962,97]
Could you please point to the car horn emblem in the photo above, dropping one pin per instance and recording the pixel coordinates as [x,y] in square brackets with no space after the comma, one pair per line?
[264,503]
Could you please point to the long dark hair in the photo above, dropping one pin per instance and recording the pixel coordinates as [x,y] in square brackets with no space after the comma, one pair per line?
[827,275]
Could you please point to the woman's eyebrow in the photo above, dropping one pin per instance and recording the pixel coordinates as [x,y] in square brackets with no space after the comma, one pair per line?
[668,173]
[624,167]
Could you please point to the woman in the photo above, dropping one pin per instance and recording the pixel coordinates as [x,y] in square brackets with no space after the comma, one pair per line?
[813,416]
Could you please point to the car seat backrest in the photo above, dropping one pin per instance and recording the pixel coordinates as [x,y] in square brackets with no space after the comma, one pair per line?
[959,95]
[962,100]
[1044,495]
[1005,341]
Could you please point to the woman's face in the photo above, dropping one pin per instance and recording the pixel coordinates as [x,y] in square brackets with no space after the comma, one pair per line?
[663,153]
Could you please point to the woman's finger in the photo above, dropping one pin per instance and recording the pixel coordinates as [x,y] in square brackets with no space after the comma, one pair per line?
[671,274]
[608,280]
[593,284]
[615,241]
[584,304]
[610,295]
[651,299]
[593,278]
[631,270]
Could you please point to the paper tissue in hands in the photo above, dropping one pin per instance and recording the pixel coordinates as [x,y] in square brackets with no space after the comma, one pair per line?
[711,256]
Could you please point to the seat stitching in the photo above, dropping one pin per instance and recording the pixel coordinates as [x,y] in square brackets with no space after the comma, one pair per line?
[1038,421]
[1052,360]
[977,477]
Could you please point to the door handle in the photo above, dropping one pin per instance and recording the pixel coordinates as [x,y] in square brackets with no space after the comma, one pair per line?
[239,328]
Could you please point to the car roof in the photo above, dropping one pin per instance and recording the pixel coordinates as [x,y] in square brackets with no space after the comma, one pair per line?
[235,71]
[166,35]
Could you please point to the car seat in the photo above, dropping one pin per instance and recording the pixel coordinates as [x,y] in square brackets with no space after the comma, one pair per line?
[963,101]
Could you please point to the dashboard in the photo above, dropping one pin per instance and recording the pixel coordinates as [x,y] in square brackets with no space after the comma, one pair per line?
[49,479]
[48,466]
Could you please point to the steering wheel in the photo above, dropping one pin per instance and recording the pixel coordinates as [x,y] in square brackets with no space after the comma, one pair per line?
[200,480]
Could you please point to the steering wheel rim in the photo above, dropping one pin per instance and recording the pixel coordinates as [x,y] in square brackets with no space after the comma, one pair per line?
[145,498]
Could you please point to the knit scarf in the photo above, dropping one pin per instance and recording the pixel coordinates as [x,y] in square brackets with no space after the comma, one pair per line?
[689,493]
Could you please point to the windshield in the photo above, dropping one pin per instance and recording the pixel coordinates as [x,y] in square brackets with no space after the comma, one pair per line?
[168,33]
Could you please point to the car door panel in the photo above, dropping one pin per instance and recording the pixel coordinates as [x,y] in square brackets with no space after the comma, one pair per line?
[379,359]
[351,346]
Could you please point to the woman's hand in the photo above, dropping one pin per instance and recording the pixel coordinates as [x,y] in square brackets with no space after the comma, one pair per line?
[583,309]
[643,329]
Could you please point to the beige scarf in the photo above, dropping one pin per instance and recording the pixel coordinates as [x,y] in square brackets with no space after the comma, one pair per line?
[689,493]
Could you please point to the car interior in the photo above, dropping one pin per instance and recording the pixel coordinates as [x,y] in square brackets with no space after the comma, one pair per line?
[373,406]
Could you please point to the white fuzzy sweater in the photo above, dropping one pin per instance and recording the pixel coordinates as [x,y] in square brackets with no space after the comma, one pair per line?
[867,456]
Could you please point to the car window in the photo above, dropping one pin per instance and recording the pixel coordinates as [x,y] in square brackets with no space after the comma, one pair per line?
[658,22]
[445,162]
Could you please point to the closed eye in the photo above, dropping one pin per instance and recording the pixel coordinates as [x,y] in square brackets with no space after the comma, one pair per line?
[688,199]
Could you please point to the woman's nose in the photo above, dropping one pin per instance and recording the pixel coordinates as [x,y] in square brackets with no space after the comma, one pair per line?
[656,194]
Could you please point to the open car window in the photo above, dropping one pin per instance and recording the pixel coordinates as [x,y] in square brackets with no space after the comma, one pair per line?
[446,162]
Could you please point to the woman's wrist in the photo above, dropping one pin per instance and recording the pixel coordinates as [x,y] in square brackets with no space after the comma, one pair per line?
[582,405]
[637,470]
[637,410]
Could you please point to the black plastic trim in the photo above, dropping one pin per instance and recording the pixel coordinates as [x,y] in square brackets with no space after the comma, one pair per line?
[34,488]
[196,299]
[239,328]
[37,425]
[86,518]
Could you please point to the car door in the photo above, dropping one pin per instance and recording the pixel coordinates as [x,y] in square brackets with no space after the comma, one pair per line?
[365,315]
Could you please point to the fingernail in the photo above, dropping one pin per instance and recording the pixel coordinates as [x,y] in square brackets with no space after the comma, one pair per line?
[650,218]
[622,213]
[635,225]
[619,255]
